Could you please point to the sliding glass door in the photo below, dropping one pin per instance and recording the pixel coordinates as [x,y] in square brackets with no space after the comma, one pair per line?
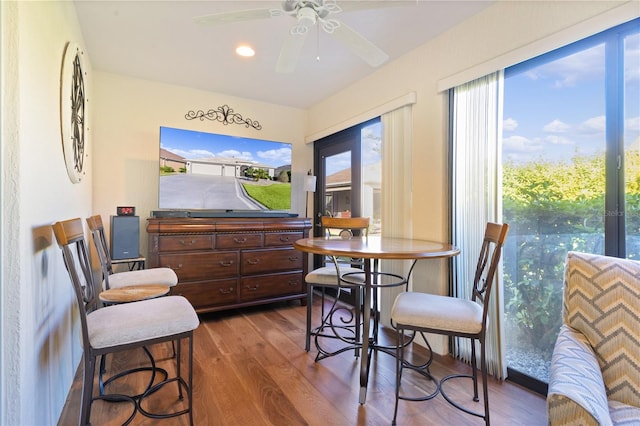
[571,179]
[348,167]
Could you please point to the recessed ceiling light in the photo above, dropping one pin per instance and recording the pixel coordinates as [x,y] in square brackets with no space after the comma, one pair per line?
[245,51]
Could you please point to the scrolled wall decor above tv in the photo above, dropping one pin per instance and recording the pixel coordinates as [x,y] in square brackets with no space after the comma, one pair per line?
[223,114]
[209,175]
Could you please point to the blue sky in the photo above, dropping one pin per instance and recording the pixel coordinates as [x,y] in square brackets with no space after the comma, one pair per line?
[371,137]
[557,110]
[192,145]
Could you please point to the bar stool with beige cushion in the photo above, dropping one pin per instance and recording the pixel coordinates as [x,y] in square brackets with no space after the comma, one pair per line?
[127,287]
[451,316]
[120,327]
[337,319]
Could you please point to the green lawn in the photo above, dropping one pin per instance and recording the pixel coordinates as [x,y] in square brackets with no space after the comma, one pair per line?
[275,197]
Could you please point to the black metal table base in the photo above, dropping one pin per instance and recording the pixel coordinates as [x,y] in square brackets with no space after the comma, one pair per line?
[364,329]
[341,323]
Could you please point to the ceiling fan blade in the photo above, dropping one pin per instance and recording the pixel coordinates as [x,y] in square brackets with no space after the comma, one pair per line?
[366,50]
[290,53]
[348,6]
[234,16]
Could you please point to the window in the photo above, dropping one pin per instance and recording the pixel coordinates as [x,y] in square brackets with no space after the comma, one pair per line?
[571,179]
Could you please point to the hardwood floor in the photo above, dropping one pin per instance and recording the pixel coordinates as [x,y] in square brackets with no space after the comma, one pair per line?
[250,368]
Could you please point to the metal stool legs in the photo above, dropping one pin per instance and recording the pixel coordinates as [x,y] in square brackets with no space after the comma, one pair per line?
[423,370]
[137,401]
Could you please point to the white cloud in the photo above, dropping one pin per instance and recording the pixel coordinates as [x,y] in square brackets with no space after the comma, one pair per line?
[200,153]
[280,156]
[232,153]
[558,140]
[520,144]
[509,124]
[520,149]
[190,154]
[572,70]
[632,123]
[593,125]
[556,126]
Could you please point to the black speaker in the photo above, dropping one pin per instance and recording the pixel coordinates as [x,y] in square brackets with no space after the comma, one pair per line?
[125,237]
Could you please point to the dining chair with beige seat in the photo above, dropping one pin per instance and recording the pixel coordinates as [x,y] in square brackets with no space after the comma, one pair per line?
[115,328]
[457,317]
[329,277]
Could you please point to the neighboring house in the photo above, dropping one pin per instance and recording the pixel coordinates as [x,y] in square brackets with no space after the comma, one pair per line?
[338,190]
[223,166]
[169,159]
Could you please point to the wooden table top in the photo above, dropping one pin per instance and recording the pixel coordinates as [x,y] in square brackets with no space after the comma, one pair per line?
[377,247]
[133,293]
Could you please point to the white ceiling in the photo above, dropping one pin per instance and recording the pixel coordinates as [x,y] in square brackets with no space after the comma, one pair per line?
[159,41]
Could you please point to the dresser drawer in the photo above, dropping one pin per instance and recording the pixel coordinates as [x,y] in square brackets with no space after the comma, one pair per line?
[201,266]
[281,238]
[185,242]
[208,293]
[238,241]
[269,260]
[272,285]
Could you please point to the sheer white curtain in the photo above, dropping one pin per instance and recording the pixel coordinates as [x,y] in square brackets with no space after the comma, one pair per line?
[396,193]
[477,198]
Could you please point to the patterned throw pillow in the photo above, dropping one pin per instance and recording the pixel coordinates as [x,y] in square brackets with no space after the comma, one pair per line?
[602,300]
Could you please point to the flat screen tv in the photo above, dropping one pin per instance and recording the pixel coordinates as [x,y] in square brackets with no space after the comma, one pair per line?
[206,173]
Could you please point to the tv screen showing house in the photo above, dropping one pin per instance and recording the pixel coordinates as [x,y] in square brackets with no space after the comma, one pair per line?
[208,171]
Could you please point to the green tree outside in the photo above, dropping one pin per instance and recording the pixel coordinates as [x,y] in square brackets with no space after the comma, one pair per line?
[554,207]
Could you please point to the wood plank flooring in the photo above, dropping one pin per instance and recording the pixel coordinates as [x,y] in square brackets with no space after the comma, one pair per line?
[250,368]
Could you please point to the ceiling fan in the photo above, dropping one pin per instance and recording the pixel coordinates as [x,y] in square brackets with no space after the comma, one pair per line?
[307,14]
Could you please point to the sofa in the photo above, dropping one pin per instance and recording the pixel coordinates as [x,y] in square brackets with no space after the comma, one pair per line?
[595,366]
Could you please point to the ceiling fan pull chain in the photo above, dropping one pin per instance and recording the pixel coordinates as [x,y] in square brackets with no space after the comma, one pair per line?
[318,44]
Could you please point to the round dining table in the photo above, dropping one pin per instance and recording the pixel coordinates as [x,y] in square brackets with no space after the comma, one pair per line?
[374,247]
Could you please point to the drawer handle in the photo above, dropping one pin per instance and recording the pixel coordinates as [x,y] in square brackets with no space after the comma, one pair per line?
[240,240]
[253,261]
[284,239]
[254,288]
[223,291]
[187,243]
[293,283]
[226,263]
[293,258]
[176,268]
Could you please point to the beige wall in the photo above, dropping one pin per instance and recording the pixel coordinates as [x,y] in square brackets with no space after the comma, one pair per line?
[40,347]
[127,117]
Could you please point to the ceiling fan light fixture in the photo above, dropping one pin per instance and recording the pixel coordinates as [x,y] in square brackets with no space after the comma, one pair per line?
[245,51]
[306,17]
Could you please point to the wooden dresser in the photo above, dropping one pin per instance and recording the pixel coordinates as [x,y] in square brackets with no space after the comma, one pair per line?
[225,263]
